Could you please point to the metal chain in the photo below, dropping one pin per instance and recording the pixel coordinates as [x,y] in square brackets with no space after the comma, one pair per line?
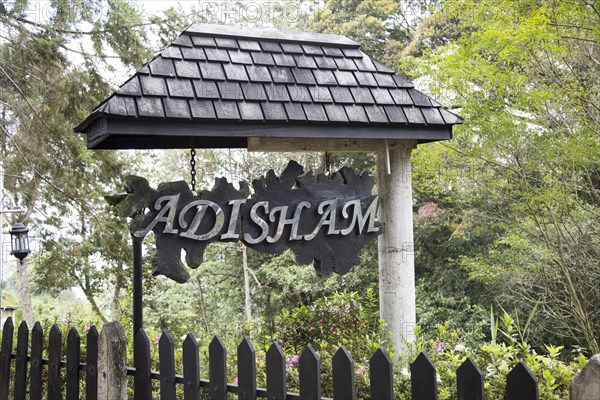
[193,169]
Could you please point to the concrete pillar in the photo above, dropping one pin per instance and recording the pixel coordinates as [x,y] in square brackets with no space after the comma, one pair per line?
[395,246]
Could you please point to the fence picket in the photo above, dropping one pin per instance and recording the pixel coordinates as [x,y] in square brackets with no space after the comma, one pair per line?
[343,375]
[54,355]
[20,387]
[469,381]
[5,350]
[191,368]
[423,383]
[276,375]
[73,357]
[310,374]
[521,384]
[166,360]
[142,384]
[382,385]
[246,370]
[217,364]
[35,373]
[91,366]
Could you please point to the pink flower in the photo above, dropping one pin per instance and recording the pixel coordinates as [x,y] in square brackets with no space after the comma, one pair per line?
[438,345]
[87,327]
[293,362]
[235,381]
[157,339]
[361,371]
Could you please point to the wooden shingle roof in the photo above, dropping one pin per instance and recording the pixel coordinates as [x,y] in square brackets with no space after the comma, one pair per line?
[216,86]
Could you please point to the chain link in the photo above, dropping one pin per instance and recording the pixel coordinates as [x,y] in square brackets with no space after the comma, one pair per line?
[193,169]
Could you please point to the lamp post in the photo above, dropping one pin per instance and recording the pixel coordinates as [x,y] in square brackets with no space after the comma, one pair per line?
[19,241]
[2,212]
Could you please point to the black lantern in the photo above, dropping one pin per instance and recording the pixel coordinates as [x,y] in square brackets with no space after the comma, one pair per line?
[19,241]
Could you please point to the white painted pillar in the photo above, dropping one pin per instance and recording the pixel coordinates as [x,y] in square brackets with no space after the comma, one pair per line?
[396,255]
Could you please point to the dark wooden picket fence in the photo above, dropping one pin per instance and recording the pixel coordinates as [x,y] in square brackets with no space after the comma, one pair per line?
[520,384]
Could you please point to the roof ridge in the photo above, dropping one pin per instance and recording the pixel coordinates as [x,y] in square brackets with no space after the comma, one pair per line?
[228,31]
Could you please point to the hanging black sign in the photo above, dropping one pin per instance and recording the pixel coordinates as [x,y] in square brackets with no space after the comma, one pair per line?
[323,219]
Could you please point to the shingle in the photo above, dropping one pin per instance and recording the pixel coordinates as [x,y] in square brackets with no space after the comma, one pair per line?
[304,76]
[324,77]
[345,64]
[240,57]
[194,53]
[413,115]
[326,63]
[312,50]
[171,52]
[402,83]
[314,112]
[211,71]
[162,67]
[382,96]
[383,68]
[277,92]
[235,72]
[206,89]
[153,86]
[401,97]
[203,41]
[384,80]
[284,60]
[220,55]
[225,43]
[295,112]
[395,114]
[320,94]
[299,94]
[376,114]
[345,78]
[249,45]
[273,111]
[131,87]
[332,51]
[432,116]
[419,98]
[365,78]
[183,40]
[180,88]
[365,64]
[253,91]
[282,75]
[258,73]
[270,47]
[341,95]
[450,117]
[356,114]
[145,70]
[336,113]
[226,110]
[303,61]
[292,48]
[230,90]
[250,111]
[121,105]
[262,58]
[202,109]
[352,53]
[176,108]
[362,95]
[150,107]
[187,69]
[434,102]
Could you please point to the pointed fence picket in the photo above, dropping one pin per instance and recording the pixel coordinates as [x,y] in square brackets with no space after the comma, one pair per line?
[520,382]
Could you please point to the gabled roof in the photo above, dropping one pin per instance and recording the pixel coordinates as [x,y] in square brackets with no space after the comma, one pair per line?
[215,86]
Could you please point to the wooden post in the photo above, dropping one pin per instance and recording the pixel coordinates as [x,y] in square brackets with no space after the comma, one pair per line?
[395,246]
[112,362]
